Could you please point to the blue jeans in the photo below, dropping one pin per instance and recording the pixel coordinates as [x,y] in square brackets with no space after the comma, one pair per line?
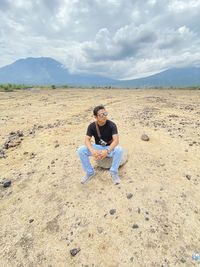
[84,155]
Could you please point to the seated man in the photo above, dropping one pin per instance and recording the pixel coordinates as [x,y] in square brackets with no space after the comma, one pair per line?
[106,145]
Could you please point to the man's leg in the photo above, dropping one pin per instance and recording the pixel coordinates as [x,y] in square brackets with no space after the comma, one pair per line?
[117,156]
[84,155]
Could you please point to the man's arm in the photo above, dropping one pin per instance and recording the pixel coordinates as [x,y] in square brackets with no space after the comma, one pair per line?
[114,143]
[88,144]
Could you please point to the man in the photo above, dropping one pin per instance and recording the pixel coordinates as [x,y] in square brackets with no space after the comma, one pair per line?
[106,145]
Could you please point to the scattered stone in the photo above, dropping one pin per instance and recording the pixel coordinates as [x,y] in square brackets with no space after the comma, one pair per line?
[74,251]
[135,226]
[146,219]
[2,154]
[31,220]
[57,145]
[183,260]
[14,139]
[6,183]
[99,229]
[112,211]
[188,176]
[145,137]
[138,210]
[129,195]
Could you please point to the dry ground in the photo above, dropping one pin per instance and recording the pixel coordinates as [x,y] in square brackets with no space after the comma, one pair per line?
[46,212]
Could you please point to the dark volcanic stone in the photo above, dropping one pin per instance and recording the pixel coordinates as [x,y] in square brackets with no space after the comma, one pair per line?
[112,211]
[6,183]
[135,226]
[145,137]
[2,154]
[129,195]
[188,176]
[74,251]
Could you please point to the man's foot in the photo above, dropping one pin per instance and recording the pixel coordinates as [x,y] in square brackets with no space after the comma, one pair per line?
[87,177]
[115,178]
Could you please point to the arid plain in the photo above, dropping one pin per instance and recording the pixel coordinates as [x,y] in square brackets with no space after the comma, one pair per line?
[46,212]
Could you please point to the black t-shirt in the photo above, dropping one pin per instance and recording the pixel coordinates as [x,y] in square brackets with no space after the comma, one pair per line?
[106,131]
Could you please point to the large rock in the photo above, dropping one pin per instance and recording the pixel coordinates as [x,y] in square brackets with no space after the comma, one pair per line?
[106,163]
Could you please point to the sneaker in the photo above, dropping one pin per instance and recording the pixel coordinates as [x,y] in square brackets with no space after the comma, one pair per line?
[86,178]
[115,178]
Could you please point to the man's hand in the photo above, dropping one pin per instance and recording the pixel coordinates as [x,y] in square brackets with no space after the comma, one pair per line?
[104,154]
[99,154]
[96,154]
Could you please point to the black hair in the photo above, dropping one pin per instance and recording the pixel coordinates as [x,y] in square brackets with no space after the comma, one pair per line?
[97,108]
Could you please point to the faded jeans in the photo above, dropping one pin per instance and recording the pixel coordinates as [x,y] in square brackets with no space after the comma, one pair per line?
[84,155]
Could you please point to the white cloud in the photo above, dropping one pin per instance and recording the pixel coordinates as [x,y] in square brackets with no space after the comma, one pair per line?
[116,38]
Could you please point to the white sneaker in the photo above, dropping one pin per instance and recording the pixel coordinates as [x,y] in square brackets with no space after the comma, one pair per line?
[86,178]
[115,178]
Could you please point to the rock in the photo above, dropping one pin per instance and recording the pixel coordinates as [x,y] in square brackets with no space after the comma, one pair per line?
[107,162]
[6,183]
[31,220]
[74,251]
[99,229]
[2,154]
[135,226]
[145,137]
[129,195]
[112,211]
[188,176]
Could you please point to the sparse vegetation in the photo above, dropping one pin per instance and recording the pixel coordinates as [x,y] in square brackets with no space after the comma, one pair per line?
[8,87]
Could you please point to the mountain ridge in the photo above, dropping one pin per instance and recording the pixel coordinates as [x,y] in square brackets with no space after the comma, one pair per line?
[48,71]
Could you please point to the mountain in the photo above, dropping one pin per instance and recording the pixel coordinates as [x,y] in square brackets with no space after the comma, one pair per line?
[188,76]
[47,71]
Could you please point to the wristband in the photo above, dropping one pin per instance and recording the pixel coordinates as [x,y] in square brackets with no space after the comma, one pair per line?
[108,150]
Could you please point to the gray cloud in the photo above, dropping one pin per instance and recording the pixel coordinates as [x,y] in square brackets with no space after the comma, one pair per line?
[112,37]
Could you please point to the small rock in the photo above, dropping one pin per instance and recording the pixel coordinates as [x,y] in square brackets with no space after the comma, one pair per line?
[2,154]
[99,229]
[135,226]
[6,183]
[188,176]
[112,211]
[145,137]
[57,145]
[129,195]
[74,251]
[31,220]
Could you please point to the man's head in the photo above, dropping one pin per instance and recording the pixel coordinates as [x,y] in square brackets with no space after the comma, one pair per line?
[100,114]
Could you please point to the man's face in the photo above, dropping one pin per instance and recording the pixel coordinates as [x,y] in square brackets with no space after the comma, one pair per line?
[102,115]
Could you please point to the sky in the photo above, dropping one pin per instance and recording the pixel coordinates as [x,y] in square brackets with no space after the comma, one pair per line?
[120,39]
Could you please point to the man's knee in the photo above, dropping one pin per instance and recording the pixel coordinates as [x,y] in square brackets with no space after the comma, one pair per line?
[82,150]
[118,149]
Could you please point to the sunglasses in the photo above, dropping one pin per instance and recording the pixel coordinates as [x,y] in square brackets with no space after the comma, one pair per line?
[101,115]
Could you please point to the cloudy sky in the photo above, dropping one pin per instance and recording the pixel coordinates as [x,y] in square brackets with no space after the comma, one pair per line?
[121,39]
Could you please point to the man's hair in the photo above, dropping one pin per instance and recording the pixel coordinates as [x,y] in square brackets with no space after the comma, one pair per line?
[97,108]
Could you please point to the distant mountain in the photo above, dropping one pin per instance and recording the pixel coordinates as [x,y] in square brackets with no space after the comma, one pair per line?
[47,71]
[189,76]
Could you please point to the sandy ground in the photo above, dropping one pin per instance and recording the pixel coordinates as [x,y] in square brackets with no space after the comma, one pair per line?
[46,212]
